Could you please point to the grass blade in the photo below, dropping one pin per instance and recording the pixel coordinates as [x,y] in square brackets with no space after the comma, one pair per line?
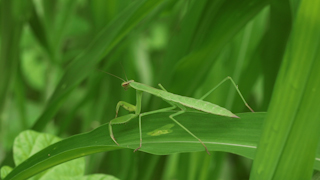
[284,140]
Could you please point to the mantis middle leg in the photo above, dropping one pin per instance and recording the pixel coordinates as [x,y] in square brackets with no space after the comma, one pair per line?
[183,110]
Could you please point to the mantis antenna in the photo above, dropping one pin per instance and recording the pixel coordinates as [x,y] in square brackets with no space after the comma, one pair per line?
[124,72]
[113,75]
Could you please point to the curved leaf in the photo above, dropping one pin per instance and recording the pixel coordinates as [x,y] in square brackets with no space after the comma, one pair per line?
[160,136]
[5,170]
[30,142]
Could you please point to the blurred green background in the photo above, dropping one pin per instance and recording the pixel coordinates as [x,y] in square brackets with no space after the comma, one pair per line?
[52,51]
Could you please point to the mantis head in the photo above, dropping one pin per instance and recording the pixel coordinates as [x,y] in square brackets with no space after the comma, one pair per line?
[126,84]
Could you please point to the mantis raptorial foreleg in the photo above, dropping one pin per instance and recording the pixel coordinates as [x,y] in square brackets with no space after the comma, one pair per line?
[126,118]
[129,107]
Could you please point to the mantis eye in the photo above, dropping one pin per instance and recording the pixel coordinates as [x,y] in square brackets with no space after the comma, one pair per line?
[125,85]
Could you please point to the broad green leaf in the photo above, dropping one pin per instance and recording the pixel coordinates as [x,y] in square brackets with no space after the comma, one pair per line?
[5,170]
[30,142]
[290,137]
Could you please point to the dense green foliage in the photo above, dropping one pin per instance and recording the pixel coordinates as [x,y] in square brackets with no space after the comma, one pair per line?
[50,86]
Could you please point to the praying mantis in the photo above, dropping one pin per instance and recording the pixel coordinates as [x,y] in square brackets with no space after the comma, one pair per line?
[176,101]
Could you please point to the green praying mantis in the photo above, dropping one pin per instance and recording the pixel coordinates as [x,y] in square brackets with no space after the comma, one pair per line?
[176,101]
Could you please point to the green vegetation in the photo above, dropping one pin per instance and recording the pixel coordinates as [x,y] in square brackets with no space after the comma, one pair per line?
[55,104]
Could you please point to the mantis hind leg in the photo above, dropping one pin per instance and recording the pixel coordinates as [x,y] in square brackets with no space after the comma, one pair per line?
[179,113]
[235,86]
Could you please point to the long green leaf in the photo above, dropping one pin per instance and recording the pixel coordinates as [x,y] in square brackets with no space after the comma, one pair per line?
[291,132]
[161,136]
